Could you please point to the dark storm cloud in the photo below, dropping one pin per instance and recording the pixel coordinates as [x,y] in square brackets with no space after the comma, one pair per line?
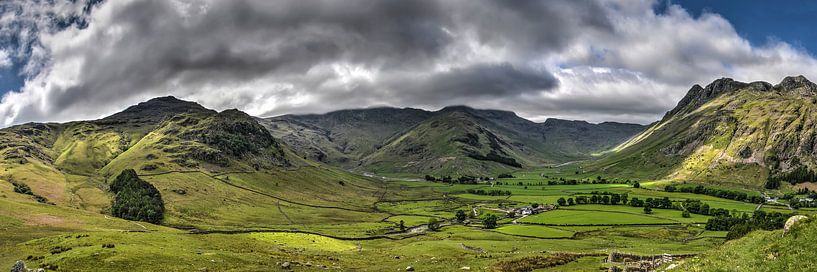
[299,56]
[142,48]
[479,80]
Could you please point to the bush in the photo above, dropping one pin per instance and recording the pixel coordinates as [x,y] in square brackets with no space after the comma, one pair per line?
[636,185]
[22,188]
[433,224]
[136,199]
[686,214]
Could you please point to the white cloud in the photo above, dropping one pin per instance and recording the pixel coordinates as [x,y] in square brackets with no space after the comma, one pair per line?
[5,59]
[613,60]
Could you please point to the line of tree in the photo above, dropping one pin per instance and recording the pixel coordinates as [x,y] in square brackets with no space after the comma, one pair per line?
[489,193]
[597,180]
[798,175]
[460,180]
[135,199]
[721,193]
[738,226]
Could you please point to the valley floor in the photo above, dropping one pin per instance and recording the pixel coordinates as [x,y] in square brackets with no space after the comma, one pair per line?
[307,222]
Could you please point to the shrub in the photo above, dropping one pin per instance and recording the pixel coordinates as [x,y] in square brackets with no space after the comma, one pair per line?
[22,188]
[433,224]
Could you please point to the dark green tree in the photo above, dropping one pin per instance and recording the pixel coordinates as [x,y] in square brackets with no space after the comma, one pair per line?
[460,215]
[561,201]
[489,221]
[136,199]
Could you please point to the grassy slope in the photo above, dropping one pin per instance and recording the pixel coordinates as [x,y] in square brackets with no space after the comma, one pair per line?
[763,251]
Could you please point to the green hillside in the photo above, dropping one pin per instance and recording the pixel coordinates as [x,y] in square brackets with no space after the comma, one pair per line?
[728,132]
[762,251]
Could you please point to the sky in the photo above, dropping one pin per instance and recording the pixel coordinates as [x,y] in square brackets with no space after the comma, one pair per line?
[605,60]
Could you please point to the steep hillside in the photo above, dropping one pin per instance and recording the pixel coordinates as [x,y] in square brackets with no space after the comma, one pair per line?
[189,154]
[728,132]
[451,142]
[454,140]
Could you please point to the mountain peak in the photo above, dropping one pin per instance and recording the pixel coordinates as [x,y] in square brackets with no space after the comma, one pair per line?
[697,95]
[799,84]
[457,108]
[158,108]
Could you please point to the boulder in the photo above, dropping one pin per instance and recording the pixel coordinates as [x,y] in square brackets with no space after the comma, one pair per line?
[409,268]
[19,266]
[792,222]
[285,265]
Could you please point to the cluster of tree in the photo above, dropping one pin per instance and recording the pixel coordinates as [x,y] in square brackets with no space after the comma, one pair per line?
[721,193]
[505,175]
[490,192]
[136,199]
[697,207]
[493,156]
[738,226]
[798,175]
[568,202]
[489,221]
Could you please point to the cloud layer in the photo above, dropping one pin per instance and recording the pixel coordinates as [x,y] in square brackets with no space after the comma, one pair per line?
[593,60]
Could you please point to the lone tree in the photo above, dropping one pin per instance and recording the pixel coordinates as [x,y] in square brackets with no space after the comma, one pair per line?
[489,221]
[647,209]
[402,225]
[636,185]
[460,215]
[136,199]
[561,201]
[685,214]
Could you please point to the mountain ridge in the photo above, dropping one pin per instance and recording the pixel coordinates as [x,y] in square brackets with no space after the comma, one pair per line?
[743,133]
[319,137]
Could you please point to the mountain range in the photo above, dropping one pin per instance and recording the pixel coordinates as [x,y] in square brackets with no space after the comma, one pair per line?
[456,140]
